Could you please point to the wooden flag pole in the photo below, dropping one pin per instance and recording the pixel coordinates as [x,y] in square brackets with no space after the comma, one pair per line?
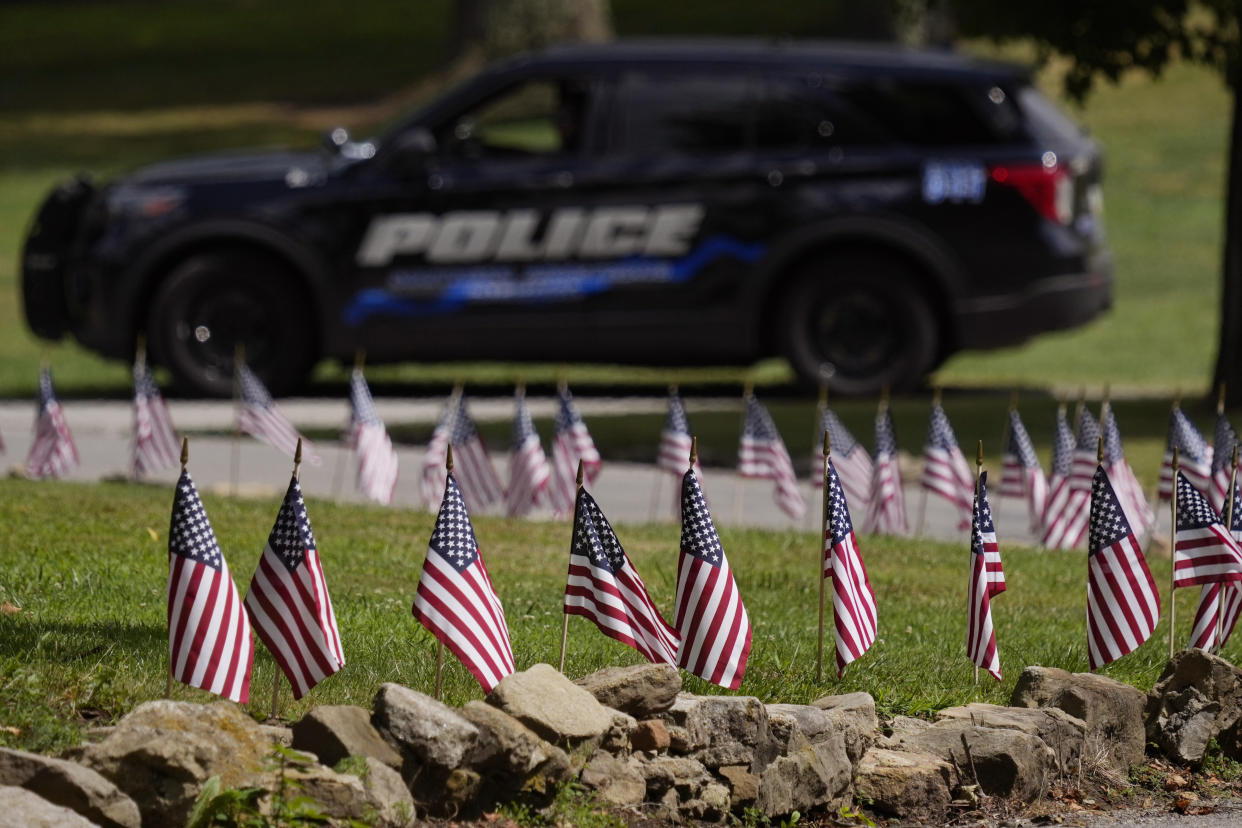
[360,358]
[565,621]
[1026,490]
[239,359]
[918,532]
[659,472]
[1173,556]
[819,651]
[185,458]
[978,478]
[748,391]
[821,406]
[448,467]
[297,464]
[1220,601]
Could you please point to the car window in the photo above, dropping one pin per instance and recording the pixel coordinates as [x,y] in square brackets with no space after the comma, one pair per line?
[542,116]
[800,113]
[933,113]
[1048,124]
[657,112]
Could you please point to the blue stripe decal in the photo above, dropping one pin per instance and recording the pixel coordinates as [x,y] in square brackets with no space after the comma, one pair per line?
[541,283]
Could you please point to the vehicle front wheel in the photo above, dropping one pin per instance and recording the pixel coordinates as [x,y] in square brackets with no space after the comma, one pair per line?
[211,302]
[862,322]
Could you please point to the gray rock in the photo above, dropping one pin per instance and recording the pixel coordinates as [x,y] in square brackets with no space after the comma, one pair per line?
[711,805]
[685,778]
[721,730]
[813,775]
[551,705]
[423,729]
[387,790]
[642,691]
[854,715]
[1113,712]
[1198,692]
[333,732]
[784,734]
[618,781]
[162,752]
[898,782]
[1059,730]
[277,734]
[511,758]
[1010,763]
[337,795]
[20,808]
[617,738]
[69,785]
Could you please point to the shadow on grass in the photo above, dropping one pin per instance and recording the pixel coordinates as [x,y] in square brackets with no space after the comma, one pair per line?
[77,642]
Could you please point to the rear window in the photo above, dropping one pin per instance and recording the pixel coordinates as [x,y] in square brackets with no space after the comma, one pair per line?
[935,113]
[1047,122]
[800,113]
[691,113]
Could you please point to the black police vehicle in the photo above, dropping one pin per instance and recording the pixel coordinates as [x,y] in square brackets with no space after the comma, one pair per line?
[869,209]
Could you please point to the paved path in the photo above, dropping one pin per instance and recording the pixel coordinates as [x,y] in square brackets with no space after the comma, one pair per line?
[629,492]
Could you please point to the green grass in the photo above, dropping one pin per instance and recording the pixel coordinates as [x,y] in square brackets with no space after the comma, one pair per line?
[87,566]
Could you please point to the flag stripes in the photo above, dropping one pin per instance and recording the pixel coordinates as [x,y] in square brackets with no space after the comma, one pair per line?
[853,602]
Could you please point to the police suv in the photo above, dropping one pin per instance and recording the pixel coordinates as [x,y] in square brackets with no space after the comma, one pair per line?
[864,211]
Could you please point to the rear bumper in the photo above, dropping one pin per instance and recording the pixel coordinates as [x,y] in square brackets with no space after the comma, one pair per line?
[1050,304]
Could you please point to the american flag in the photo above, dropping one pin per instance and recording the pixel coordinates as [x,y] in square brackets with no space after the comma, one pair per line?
[259,417]
[987,579]
[455,599]
[155,441]
[853,602]
[1129,490]
[1223,442]
[572,444]
[1056,518]
[1194,456]
[711,621]
[434,473]
[529,471]
[377,461]
[1204,551]
[288,601]
[762,454]
[1077,511]
[604,587]
[208,632]
[1021,474]
[886,511]
[1123,604]
[675,439]
[480,485]
[850,459]
[52,453]
[945,470]
[1203,634]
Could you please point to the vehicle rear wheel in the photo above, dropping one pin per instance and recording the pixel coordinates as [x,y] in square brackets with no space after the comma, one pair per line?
[211,302]
[861,320]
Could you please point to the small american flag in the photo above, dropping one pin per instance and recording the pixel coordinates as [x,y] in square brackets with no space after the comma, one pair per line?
[853,602]
[762,454]
[377,461]
[434,474]
[1129,490]
[1123,604]
[1203,634]
[288,601]
[1056,518]
[887,509]
[1021,474]
[480,485]
[455,600]
[984,584]
[1223,442]
[529,471]
[258,416]
[604,587]
[1204,551]
[945,470]
[52,453]
[155,441]
[675,438]
[1077,511]
[572,445]
[850,459]
[711,621]
[1194,456]
[208,632]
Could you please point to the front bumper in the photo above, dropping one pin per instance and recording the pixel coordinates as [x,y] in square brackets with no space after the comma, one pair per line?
[47,289]
[1050,304]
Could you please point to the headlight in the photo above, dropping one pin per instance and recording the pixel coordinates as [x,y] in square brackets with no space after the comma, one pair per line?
[147,202]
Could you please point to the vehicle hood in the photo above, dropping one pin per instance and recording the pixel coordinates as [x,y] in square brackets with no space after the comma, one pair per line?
[239,167]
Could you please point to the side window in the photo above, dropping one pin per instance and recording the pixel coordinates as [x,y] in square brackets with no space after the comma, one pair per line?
[799,113]
[541,116]
[924,113]
[656,112]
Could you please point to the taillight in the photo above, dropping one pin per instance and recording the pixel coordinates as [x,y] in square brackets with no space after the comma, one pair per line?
[1049,189]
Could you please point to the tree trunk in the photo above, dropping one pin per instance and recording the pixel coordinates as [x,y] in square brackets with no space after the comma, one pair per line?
[1229,357]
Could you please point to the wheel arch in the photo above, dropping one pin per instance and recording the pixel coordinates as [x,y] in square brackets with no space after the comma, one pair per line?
[918,248]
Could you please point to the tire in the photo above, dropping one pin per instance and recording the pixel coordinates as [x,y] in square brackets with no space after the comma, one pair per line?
[212,301]
[861,320]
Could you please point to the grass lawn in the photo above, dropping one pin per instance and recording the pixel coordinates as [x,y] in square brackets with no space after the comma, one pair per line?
[87,566]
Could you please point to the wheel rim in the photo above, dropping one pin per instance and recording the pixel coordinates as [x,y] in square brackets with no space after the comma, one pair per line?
[860,334]
[216,322]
